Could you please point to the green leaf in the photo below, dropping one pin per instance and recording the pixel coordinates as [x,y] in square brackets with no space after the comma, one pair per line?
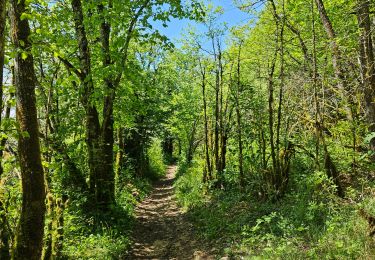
[24,55]
[369,137]
[25,134]
[25,16]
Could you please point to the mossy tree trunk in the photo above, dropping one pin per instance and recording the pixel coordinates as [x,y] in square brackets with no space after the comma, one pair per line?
[207,174]
[29,241]
[367,63]
[4,233]
[337,60]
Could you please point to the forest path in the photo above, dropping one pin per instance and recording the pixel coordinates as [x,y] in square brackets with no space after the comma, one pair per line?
[162,230]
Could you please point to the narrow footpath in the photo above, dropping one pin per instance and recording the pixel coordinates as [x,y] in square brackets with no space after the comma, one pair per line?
[162,230]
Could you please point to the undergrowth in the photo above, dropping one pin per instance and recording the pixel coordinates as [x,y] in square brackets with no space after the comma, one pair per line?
[309,222]
[104,234]
[99,235]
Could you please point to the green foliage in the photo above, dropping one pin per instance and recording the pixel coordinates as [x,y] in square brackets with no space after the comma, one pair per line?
[157,166]
[88,235]
[189,187]
[110,242]
[10,195]
[159,94]
[308,223]
[107,235]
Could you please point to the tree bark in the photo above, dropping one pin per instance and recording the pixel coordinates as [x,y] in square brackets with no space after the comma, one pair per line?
[367,64]
[29,241]
[317,115]
[208,162]
[278,177]
[95,158]
[58,238]
[224,125]
[168,146]
[47,252]
[134,147]
[217,126]
[4,234]
[2,51]
[217,59]
[271,101]
[106,181]
[120,152]
[192,143]
[75,180]
[239,121]
[337,62]
[332,171]
[99,136]
[294,30]
[281,173]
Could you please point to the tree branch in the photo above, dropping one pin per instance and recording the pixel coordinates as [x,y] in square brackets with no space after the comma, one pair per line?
[127,40]
[71,67]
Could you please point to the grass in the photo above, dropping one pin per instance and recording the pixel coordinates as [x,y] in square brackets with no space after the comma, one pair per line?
[309,222]
[88,236]
[107,235]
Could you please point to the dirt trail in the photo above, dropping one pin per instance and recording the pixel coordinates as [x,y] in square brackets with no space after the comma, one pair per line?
[161,230]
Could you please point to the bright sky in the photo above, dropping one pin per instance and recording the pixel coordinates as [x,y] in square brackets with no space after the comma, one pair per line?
[232,16]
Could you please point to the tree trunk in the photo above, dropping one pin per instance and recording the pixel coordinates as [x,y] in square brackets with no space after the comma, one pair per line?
[280,172]
[168,146]
[2,51]
[134,148]
[208,162]
[223,151]
[367,64]
[106,181]
[75,181]
[271,109]
[217,126]
[29,241]
[93,142]
[47,253]
[4,234]
[294,30]
[336,57]
[332,171]
[192,145]
[316,92]
[216,111]
[238,115]
[58,238]
[120,152]
[281,176]
[222,115]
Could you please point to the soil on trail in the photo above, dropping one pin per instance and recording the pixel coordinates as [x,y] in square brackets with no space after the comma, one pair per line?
[162,230]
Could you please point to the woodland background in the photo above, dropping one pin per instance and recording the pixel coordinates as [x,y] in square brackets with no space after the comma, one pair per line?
[272,124]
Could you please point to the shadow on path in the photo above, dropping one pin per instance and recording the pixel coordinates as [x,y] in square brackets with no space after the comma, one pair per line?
[161,230]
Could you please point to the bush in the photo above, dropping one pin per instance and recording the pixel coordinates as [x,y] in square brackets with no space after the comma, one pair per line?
[157,166]
[309,222]
[105,234]
[189,186]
